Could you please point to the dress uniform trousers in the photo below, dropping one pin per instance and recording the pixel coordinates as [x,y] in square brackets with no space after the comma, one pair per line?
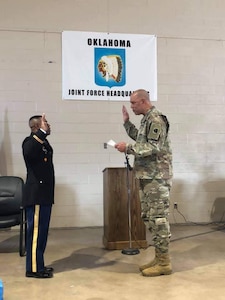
[38,219]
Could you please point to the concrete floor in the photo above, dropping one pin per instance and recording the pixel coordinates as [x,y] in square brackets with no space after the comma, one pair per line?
[84,270]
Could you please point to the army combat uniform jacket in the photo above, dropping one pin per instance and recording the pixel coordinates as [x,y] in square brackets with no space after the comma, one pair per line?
[152,150]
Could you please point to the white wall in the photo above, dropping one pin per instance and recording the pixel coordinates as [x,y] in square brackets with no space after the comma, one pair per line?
[191,76]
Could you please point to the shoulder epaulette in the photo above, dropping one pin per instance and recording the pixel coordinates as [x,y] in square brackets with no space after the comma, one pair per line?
[37,139]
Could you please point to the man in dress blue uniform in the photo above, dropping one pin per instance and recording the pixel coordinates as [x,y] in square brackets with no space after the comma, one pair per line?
[38,195]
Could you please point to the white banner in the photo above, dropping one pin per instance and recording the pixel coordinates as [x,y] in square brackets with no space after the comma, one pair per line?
[108,66]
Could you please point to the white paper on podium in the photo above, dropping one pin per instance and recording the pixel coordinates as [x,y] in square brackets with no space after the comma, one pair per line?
[111,143]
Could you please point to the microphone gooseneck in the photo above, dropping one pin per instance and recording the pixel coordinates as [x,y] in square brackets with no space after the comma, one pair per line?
[127,163]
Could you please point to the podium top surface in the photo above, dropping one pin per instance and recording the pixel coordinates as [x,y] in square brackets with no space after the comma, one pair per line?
[113,168]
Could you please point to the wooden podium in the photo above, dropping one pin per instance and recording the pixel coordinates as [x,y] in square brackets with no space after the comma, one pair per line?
[116,214]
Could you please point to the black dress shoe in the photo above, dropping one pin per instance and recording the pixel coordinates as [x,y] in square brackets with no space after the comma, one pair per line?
[48,269]
[42,274]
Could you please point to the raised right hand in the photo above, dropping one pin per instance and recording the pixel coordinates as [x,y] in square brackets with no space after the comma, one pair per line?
[44,124]
[125,114]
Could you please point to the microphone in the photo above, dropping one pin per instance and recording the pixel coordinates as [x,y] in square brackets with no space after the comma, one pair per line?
[127,163]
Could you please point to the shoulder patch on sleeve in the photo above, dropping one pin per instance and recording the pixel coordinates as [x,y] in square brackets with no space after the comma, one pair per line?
[155,130]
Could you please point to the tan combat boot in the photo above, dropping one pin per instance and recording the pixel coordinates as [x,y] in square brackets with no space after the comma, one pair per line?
[151,263]
[162,267]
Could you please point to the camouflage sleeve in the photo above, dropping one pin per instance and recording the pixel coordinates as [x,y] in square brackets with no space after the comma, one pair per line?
[150,140]
[131,130]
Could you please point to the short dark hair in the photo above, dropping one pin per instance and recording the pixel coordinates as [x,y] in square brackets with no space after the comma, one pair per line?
[34,120]
[35,117]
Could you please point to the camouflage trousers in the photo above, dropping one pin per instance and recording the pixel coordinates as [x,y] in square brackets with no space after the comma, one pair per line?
[154,198]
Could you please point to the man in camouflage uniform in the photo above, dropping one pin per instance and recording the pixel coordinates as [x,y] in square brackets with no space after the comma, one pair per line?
[153,168]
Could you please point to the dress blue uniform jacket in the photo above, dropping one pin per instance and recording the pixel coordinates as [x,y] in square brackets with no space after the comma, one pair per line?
[40,180]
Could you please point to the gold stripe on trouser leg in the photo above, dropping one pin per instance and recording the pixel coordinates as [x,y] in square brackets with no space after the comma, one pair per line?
[35,236]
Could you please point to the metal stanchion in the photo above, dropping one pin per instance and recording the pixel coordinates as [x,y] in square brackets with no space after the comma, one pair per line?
[130,250]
